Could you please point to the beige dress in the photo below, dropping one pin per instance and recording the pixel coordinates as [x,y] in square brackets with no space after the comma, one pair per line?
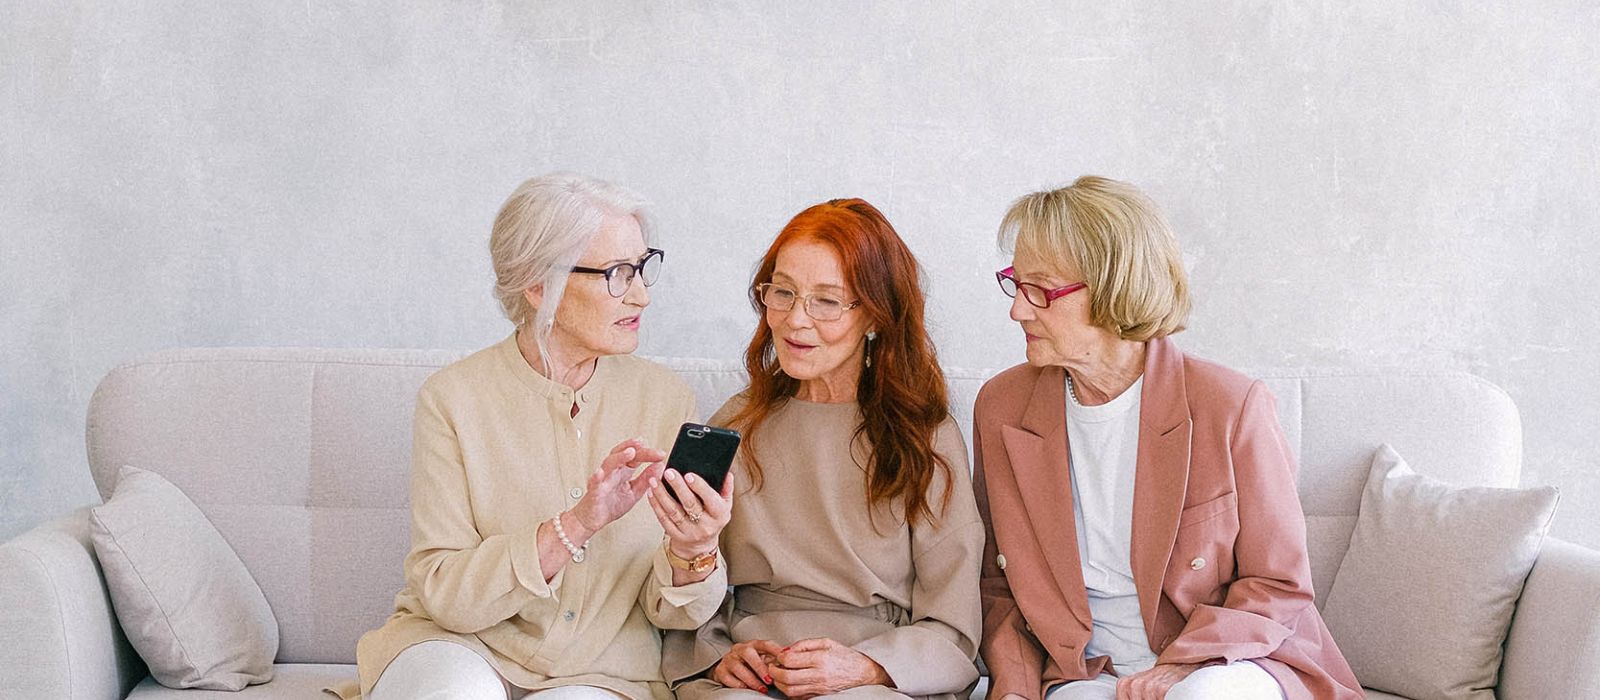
[806,561]
[495,453]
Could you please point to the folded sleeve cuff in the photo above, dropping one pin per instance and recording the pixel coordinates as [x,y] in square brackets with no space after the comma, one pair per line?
[1220,633]
[920,662]
[690,605]
[527,568]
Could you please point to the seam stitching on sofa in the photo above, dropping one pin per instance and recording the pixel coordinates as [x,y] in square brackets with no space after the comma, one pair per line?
[311,442]
[1300,427]
[269,361]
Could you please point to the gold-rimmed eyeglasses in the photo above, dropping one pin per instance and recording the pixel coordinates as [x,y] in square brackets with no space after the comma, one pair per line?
[821,307]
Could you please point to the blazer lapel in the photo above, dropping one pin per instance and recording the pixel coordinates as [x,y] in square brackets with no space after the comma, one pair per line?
[1037,450]
[1161,477]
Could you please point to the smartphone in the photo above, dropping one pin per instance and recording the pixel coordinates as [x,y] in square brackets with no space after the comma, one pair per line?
[704,451]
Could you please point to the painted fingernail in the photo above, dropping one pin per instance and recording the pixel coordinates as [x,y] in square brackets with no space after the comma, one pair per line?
[767,679]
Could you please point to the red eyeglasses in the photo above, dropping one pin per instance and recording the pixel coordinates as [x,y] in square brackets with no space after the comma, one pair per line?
[1033,293]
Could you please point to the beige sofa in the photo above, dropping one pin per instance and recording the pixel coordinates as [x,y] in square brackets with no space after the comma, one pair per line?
[300,457]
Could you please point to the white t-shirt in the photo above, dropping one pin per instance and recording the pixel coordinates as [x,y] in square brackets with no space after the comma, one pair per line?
[1104,445]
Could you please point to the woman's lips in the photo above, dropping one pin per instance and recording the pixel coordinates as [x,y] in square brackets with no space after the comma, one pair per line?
[797,347]
[1031,337]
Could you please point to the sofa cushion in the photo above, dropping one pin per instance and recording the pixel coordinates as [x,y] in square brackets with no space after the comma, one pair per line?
[185,601]
[1423,599]
[288,681]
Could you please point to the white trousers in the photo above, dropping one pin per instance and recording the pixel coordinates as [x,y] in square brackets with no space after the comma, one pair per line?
[1240,680]
[440,670]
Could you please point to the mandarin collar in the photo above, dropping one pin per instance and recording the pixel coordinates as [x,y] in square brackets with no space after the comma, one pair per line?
[511,357]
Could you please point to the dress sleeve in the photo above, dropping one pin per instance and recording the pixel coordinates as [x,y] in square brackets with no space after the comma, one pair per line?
[934,653]
[466,582]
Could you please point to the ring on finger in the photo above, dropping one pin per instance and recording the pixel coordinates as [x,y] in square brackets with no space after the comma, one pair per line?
[694,517]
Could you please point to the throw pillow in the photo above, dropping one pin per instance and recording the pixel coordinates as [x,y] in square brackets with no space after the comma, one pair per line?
[1422,602]
[184,599]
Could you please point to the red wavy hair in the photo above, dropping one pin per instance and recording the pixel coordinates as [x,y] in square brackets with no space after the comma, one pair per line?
[902,394]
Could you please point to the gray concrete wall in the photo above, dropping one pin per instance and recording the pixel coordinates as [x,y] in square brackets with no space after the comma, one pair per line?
[1355,183]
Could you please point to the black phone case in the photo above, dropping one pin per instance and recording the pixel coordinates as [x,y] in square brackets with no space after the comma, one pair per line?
[704,451]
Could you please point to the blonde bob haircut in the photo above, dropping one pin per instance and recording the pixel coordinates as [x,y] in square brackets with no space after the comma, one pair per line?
[1120,243]
[539,234]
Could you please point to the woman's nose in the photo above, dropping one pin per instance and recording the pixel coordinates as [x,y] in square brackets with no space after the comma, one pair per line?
[638,294]
[1021,310]
[797,316]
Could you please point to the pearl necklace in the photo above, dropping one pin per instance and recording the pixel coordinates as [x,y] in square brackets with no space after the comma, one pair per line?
[1072,390]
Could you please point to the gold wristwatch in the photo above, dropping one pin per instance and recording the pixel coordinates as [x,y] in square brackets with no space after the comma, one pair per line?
[697,565]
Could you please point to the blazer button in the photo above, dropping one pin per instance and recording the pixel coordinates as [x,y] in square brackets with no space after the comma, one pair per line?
[1000,560]
[575,493]
[1198,563]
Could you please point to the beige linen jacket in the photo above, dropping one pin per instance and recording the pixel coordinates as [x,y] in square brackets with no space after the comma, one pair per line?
[495,453]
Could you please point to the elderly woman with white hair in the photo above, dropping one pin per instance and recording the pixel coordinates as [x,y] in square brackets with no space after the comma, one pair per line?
[531,570]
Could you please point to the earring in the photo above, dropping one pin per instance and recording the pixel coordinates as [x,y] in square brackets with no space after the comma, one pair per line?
[871,336]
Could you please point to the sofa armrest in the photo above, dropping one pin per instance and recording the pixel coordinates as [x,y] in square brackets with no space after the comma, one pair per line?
[58,635]
[1553,650]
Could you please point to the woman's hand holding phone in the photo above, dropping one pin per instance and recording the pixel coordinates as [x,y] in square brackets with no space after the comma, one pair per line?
[694,520]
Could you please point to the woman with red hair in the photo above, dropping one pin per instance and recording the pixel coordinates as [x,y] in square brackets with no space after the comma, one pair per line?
[855,550]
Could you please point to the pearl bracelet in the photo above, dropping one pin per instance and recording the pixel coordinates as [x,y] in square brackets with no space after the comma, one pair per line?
[561,533]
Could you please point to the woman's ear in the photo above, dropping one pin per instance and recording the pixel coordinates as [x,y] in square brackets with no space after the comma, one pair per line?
[534,295]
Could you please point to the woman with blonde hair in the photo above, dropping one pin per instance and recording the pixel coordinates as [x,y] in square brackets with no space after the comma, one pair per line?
[532,571]
[1145,535]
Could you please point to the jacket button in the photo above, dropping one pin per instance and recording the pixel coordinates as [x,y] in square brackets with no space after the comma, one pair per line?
[1000,560]
[1198,563]
[575,493]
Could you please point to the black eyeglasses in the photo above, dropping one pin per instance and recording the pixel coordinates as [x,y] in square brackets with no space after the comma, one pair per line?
[619,277]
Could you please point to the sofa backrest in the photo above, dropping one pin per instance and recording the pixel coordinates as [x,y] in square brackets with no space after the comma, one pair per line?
[300,457]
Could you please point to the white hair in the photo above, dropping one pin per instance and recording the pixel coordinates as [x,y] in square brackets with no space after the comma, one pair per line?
[541,230]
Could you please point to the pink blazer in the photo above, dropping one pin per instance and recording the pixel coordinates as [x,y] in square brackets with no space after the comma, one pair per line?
[1219,546]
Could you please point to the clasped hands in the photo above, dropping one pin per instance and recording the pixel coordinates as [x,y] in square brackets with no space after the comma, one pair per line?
[805,669]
